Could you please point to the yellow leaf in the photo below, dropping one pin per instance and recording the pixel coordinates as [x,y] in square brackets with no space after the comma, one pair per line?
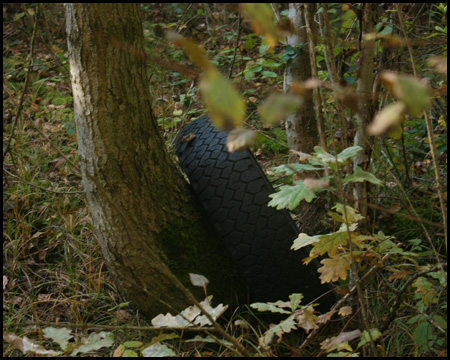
[345,310]
[396,132]
[196,54]
[333,269]
[240,139]
[278,106]
[390,117]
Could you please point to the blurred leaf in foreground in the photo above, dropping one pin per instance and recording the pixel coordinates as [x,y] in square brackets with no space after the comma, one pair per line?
[262,19]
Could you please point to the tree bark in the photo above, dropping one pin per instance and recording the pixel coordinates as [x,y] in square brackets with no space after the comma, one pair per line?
[364,87]
[301,127]
[119,144]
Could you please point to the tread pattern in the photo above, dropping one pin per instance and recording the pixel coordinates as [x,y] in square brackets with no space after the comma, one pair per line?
[234,192]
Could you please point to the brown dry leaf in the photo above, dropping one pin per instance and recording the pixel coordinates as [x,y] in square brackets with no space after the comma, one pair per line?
[340,342]
[313,184]
[119,351]
[439,64]
[399,275]
[324,318]
[313,83]
[42,254]
[25,345]
[306,319]
[44,297]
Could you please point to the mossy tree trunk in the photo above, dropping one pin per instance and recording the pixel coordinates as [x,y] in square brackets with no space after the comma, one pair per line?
[119,144]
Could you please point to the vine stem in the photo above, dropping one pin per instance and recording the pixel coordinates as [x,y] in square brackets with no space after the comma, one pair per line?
[25,85]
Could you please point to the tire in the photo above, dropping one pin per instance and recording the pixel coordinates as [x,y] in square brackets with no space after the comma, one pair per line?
[234,192]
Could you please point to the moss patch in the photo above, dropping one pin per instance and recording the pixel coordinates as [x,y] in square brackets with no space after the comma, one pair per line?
[193,248]
[274,146]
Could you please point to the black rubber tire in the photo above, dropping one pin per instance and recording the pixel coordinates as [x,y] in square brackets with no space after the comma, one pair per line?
[234,192]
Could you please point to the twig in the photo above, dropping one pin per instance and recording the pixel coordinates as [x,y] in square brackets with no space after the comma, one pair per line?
[316,91]
[236,47]
[25,85]
[182,18]
[110,327]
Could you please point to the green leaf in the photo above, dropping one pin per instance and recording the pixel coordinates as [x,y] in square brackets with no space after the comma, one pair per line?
[359,175]
[61,336]
[365,337]
[158,350]
[95,341]
[415,94]
[269,307]
[422,334]
[440,321]
[266,74]
[304,240]
[278,330]
[129,353]
[323,155]
[352,214]
[296,299]
[19,16]
[132,344]
[291,169]
[348,153]
[330,243]
[342,157]
[290,196]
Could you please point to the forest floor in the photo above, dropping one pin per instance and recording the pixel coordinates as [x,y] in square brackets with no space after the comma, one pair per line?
[53,271]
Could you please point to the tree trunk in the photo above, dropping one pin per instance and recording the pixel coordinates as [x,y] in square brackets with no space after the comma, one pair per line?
[364,88]
[301,127]
[119,144]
